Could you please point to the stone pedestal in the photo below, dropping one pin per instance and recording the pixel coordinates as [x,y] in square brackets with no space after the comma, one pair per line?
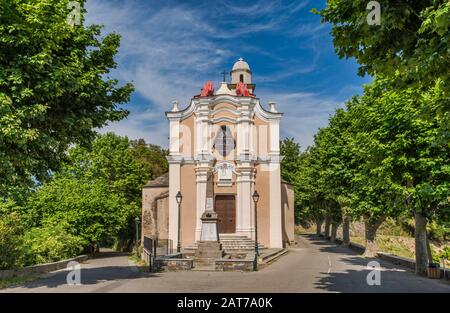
[207,253]
[209,227]
[208,248]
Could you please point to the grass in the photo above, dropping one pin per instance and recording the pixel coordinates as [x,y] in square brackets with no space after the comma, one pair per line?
[140,264]
[396,245]
[17,280]
[390,239]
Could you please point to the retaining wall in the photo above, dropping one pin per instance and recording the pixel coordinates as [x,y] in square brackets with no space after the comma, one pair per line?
[41,268]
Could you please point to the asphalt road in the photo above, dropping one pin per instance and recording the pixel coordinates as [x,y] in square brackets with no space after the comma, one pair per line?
[313,266]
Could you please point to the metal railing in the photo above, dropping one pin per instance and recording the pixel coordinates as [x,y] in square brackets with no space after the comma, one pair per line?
[154,247]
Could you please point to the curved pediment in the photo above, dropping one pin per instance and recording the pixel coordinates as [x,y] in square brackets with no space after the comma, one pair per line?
[231,104]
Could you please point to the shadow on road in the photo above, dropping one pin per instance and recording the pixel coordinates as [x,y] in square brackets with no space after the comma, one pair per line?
[393,278]
[105,267]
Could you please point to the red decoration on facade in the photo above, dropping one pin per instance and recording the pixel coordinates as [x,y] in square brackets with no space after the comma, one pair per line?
[241,90]
[207,90]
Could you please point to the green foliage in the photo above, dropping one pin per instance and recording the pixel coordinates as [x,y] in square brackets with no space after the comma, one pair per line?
[411,47]
[308,194]
[122,165]
[54,88]
[84,208]
[112,160]
[290,150]
[97,193]
[399,146]
[445,253]
[50,244]
[412,38]
[11,231]
[93,199]
[297,168]
[21,246]
[401,124]
[437,231]
[153,157]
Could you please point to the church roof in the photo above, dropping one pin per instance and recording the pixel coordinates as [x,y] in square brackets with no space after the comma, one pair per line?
[283,181]
[161,181]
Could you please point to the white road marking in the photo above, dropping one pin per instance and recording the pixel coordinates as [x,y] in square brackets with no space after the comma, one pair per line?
[329,265]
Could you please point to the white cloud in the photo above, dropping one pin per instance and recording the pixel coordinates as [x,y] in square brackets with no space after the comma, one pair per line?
[167,54]
[137,126]
[304,114]
[170,51]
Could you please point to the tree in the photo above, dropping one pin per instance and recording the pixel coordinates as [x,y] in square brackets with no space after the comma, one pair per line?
[406,166]
[92,200]
[54,87]
[300,169]
[410,49]
[124,166]
[290,150]
[336,170]
[112,159]
[85,208]
[11,232]
[412,39]
[50,244]
[153,157]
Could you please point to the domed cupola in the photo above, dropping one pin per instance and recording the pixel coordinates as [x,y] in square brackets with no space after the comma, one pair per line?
[241,72]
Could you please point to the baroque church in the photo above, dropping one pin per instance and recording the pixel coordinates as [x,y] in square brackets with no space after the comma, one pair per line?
[223,146]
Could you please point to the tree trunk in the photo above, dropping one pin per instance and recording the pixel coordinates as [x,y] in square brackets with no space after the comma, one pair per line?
[346,231]
[420,236]
[327,228]
[318,227]
[334,228]
[429,252]
[371,236]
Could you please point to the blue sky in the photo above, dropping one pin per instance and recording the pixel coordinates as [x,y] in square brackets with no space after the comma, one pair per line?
[170,48]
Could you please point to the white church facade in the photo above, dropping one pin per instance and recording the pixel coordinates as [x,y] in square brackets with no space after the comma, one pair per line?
[225,137]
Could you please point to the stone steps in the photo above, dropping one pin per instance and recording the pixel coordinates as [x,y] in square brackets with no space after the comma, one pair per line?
[231,243]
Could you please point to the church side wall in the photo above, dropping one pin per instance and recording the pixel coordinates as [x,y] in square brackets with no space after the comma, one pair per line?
[261,137]
[262,186]
[288,207]
[187,128]
[150,222]
[162,217]
[189,204]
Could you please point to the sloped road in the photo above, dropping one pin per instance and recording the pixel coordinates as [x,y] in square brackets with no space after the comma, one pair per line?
[313,266]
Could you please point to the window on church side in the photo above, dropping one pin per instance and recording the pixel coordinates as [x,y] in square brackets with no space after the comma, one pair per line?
[241,78]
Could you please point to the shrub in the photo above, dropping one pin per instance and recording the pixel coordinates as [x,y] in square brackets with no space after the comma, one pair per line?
[11,237]
[437,231]
[50,244]
[86,207]
[445,254]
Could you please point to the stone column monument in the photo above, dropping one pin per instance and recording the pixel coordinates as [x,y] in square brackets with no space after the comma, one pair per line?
[209,216]
[209,247]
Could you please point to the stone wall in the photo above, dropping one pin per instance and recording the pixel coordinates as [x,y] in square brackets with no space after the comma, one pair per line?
[41,268]
[232,265]
[171,264]
[155,212]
